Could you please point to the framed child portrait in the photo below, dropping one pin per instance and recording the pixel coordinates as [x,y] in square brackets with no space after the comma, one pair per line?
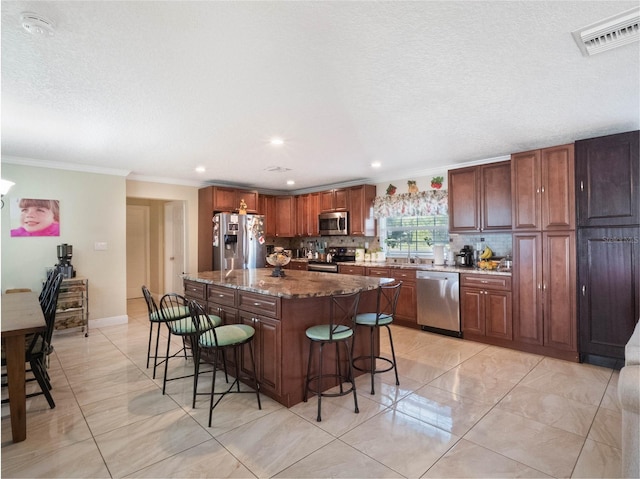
[35,217]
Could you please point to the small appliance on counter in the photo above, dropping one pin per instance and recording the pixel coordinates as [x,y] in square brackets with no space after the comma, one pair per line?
[438,254]
[334,256]
[465,256]
[65,253]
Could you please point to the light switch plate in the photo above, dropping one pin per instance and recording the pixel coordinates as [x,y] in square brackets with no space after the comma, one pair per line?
[100,246]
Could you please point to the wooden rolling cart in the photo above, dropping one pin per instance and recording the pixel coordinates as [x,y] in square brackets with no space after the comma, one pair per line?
[73,305]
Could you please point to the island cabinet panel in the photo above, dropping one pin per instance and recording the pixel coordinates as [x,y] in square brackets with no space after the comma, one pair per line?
[266,351]
[298,265]
[221,295]
[195,290]
[259,303]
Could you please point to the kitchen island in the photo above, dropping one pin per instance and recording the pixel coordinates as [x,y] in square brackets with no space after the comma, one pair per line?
[280,309]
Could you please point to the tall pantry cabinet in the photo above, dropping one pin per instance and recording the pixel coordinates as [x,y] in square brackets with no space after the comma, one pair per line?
[544,252]
[608,219]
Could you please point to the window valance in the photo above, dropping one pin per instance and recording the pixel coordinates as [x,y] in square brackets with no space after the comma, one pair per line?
[423,203]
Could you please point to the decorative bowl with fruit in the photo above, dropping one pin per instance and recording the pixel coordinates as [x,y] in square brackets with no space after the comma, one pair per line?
[278,259]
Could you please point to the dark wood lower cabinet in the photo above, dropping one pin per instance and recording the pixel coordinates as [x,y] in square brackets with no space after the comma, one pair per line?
[266,351]
[544,311]
[608,289]
[486,308]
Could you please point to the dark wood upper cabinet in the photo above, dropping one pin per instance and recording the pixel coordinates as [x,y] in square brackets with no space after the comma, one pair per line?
[607,180]
[334,200]
[361,220]
[542,187]
[267,207]
[228,199]
[285,214]
[480,198]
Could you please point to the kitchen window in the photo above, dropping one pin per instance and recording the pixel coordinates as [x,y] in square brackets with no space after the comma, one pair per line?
[412,223]
[409,235]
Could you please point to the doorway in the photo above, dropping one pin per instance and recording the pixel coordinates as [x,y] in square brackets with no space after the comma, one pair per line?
[156,251]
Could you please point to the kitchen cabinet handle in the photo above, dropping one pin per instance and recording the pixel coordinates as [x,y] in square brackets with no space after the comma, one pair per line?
[584,290]
[542,189]
[539,287]
[544,286]
[256,304]
[581,185]
[220,295]
[538,190]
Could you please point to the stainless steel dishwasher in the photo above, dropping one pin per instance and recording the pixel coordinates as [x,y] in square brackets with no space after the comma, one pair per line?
[439,302]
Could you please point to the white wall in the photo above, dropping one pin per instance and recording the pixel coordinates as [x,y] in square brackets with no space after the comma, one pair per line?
[189,194]
[92,209]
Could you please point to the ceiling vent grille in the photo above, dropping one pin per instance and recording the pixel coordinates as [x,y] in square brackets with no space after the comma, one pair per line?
[609,33]
[277,169]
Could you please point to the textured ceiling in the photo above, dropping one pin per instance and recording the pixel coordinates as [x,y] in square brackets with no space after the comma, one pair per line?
[158,88]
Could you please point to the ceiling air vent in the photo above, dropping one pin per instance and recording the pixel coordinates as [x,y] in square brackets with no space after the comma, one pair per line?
[609,33]
[277,169]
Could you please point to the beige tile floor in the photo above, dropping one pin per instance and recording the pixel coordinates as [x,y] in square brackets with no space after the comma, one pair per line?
[463,409]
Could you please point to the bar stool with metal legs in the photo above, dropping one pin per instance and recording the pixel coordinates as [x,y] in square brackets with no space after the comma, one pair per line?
[177,315]
[339,330]
[383,316]
[219,339]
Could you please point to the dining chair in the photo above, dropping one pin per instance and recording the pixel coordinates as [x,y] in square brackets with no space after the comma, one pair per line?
[38,346]
[386,303]
[343,308]
[218,340]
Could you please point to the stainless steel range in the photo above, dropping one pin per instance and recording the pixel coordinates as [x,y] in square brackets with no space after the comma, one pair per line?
[334,256]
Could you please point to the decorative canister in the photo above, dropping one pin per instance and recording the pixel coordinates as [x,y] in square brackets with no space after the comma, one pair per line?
[367,256]
[359,254]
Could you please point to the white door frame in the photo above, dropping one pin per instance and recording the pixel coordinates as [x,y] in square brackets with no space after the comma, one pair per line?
[175,242]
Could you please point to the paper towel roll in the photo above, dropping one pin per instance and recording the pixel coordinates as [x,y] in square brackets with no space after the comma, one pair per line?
[438,255]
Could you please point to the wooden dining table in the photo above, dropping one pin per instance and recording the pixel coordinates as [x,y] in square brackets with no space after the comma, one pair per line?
[21,315]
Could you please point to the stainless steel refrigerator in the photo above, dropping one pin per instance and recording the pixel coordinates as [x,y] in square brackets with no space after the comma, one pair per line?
[238,241]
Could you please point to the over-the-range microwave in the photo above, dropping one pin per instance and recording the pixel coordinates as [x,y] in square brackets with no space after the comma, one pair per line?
[334,224]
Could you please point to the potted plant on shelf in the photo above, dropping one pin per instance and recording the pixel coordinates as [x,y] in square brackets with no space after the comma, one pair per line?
[436,182]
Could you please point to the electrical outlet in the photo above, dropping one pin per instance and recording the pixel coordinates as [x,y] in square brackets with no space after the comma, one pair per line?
[100,246]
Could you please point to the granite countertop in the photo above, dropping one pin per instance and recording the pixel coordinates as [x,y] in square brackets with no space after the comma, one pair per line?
[417,266]
[296,284]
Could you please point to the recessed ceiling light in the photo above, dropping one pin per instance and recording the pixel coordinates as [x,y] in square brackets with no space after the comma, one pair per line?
[277,142]
[376,164]
[291,182]
[201,169]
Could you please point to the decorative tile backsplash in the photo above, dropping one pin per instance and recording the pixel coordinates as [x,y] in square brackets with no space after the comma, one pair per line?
[500,243]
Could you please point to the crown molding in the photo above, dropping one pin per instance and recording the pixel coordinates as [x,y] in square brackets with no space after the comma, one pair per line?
[59,165]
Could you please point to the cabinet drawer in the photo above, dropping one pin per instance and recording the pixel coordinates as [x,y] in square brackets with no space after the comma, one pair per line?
[259,303]
[349,269]
[373,271]
[222,295]
[195,290]
[402,274]
[486,281]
